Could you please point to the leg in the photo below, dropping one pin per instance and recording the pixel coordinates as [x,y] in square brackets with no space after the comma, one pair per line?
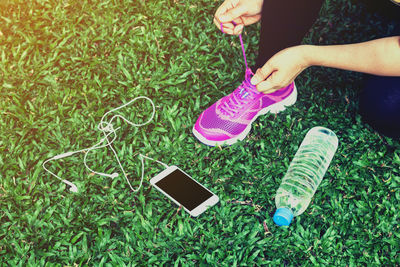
[380,104]
[386,9]
[229,120]
[284,24]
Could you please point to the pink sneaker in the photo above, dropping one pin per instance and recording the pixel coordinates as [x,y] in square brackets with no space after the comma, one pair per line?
[230,118]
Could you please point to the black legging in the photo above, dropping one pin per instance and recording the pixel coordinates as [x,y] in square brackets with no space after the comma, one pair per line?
[380,104]
[285,23]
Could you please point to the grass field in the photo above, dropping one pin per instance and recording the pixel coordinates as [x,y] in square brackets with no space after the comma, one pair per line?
[65,63]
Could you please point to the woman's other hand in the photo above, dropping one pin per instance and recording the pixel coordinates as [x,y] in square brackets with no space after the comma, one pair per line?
[242,12]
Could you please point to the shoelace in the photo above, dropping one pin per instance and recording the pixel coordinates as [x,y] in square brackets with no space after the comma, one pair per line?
[238,99]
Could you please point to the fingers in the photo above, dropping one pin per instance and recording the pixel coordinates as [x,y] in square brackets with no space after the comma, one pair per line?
[268,86]
[227,5]
[229,12]
[232,14]
[268,79]
[261,74]
[229,28]
[273,83]
[238,29]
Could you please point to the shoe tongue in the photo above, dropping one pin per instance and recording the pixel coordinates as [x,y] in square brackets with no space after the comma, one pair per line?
[245,91]
[248,74]
[249,87]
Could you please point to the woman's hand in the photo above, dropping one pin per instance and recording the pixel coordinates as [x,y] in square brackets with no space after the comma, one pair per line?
[242,12]
[281,69]
[377,57]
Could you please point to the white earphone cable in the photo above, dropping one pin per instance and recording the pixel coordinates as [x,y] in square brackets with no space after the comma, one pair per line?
[107,129]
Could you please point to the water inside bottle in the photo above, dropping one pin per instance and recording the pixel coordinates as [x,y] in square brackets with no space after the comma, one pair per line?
[307,170]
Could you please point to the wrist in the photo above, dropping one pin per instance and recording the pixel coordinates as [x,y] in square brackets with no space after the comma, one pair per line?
[308,55]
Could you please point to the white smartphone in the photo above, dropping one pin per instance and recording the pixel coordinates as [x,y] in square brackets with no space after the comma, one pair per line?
[184,190]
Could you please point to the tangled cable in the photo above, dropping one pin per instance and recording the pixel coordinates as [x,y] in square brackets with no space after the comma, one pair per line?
[107,129]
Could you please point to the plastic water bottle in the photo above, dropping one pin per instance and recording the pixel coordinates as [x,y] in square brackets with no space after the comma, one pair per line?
[305,173]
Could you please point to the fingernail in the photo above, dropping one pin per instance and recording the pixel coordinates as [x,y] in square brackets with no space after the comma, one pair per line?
[254,80]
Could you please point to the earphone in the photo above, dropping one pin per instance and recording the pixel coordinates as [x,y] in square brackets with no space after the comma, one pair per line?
[107,129]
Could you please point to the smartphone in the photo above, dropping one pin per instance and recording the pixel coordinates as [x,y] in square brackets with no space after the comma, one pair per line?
[184,190]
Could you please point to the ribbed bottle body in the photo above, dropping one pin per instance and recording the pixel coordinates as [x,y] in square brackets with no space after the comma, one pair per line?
[306,170]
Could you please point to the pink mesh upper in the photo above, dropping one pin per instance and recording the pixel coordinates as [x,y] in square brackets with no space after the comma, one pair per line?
[230,115]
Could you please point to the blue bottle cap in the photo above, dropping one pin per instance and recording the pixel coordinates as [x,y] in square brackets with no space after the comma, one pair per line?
[283,216]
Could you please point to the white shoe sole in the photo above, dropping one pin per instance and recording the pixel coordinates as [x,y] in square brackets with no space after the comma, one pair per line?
[274,108]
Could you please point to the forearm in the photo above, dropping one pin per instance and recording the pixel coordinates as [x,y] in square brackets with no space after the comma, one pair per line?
[379,57]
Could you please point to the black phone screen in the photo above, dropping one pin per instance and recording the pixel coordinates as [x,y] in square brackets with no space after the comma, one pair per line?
[184,189]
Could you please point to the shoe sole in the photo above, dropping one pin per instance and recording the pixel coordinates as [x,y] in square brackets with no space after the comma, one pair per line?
[274,108]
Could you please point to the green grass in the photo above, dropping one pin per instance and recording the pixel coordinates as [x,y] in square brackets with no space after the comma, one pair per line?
[65,63]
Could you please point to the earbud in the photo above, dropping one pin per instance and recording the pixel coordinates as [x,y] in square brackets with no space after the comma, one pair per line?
[107,129]
[73,186]
[74,189]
